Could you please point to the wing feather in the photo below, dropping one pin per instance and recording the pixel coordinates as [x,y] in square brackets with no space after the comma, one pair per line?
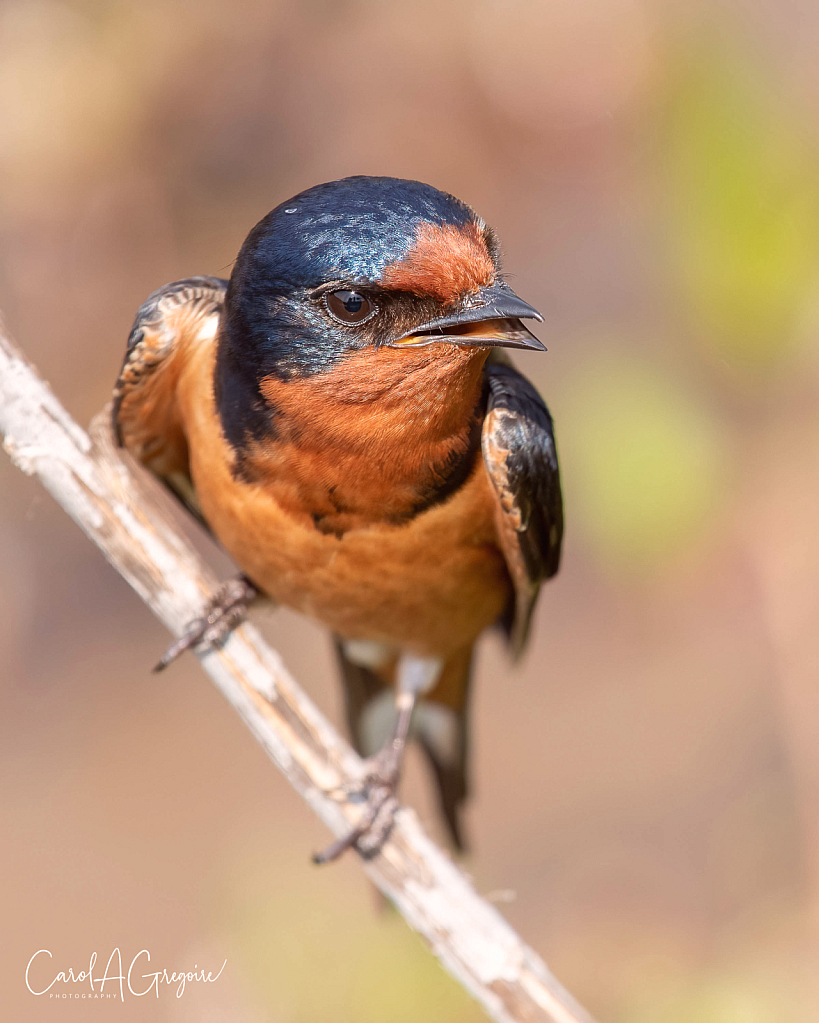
[521,458]
[145,413]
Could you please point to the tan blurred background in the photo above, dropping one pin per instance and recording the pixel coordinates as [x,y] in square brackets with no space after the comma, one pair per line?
[647,781]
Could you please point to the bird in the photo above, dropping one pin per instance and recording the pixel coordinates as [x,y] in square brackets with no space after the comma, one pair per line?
[343,416]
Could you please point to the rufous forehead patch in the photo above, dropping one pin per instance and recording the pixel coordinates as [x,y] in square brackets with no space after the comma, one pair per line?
[447,261]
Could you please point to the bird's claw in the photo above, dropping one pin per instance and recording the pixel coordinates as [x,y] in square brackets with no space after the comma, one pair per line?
[380,783]
[223,612]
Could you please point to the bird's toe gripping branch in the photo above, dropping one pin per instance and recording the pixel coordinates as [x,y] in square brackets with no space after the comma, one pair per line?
[380,784]
[222,614]
[379,787]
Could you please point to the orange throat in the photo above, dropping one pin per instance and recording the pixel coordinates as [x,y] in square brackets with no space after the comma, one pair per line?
[380,437]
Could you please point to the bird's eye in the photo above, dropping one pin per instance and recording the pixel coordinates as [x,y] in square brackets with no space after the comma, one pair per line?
[350,306]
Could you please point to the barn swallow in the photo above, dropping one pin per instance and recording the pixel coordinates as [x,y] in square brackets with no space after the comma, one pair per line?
[340,416]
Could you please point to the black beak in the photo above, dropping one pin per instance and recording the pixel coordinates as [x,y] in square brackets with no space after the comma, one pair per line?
[491,318]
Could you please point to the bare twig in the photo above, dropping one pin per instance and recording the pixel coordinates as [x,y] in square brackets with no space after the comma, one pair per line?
[125,513]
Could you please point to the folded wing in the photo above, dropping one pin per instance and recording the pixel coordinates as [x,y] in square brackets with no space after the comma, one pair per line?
[145,412]
[520,456]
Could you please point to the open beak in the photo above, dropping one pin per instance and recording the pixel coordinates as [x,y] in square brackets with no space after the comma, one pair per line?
[491,318]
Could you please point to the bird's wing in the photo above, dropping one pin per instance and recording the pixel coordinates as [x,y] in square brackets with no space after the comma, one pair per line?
[520,456]
[145,412]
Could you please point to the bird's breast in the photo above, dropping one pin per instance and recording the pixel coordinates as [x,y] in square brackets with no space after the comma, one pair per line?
[347,514]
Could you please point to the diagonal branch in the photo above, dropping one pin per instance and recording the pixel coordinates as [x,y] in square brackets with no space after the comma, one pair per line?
[130,518]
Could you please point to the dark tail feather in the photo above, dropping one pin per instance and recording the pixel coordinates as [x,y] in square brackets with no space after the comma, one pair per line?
[439,725]
[452,786]
[361,685]
[442,729]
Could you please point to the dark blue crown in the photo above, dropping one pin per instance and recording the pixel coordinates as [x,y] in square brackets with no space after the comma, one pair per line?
[347,229]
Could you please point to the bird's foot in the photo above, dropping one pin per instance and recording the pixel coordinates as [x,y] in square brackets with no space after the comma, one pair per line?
[222,613]
[379,786]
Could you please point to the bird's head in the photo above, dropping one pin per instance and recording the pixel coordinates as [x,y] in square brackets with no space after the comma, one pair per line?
[368,262]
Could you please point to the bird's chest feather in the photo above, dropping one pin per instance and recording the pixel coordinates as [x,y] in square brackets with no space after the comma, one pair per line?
[367,506]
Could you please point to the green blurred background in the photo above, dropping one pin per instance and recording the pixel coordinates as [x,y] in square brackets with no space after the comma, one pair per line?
[646,782]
